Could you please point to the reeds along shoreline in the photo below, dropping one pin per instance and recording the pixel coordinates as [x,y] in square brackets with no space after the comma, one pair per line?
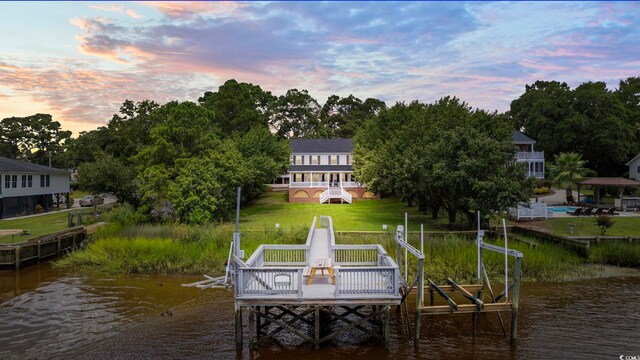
[204,249]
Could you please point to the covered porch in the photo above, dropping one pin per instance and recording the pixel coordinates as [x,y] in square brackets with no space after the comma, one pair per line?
[311,179]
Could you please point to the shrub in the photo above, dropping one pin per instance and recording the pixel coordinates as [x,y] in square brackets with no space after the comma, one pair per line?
[541,190]
[39,209]
[604,222]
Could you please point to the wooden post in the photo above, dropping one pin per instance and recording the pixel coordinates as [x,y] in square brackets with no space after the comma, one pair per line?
[316,334]
[515,299]
[251,326]
[419,300]
[39,245]
[17,249]
[238,328]
[259,322]
[385,326]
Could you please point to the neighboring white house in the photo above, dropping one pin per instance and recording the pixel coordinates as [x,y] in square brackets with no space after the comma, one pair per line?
[23,186]
[323,166]
[634,168]
[526,154]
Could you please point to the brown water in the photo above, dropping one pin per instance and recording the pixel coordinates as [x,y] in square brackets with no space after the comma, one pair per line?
[46,313]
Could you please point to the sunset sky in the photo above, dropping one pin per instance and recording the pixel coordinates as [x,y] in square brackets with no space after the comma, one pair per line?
[80,60]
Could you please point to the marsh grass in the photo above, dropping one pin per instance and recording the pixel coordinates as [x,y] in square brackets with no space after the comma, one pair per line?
[617,253]
[456,257]
[169,248]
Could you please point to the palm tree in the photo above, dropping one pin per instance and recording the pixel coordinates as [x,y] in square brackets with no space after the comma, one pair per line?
[567,170]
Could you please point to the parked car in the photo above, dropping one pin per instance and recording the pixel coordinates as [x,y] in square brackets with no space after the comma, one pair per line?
[91,200]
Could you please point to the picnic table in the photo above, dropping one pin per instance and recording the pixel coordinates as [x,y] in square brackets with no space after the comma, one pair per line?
[321,264]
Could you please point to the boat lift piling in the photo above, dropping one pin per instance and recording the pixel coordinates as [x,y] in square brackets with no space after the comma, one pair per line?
[504,302]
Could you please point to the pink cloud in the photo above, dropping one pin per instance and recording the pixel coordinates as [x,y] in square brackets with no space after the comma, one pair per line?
[189,9]
[542,66]
[567,52]
[88,96]
[116,8]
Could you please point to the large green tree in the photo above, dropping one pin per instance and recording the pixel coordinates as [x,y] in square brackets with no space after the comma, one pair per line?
[238,107]
[590,119]
[33,138]
[444,155]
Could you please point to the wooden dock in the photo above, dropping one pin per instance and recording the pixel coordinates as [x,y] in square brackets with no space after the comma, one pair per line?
[42,247]
[273,287]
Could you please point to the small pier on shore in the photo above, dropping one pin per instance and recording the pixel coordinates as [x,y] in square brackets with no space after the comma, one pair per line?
[292,287]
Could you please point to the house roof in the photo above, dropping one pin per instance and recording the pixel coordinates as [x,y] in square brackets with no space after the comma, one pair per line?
[615,181]
[632,160]
[17,166]
[319,146]
[519,138]
[320,168]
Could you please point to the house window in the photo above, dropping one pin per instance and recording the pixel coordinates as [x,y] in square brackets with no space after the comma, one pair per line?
[638,170]
[29,180]
[14,181]
[314,160]
[24,181]
[333,160]
[348,159]
[45,180]
[7,181]
[298,160]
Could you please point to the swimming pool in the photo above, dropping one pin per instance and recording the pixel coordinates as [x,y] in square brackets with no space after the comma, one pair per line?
[561,209]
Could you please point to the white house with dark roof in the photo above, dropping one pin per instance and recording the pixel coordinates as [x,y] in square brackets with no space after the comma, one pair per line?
[23,186]
[321,170]
[634,168]
[526,154]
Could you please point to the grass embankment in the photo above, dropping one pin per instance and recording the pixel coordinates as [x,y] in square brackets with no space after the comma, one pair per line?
[40,225]
[586,226]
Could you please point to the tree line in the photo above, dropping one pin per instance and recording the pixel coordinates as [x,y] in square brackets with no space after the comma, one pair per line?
[184,159]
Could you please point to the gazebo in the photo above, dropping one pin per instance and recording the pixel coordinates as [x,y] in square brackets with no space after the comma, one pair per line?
[598,182]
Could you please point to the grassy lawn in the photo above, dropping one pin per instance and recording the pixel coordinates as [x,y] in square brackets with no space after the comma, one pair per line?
[35,226]
[586,226]
[364,215]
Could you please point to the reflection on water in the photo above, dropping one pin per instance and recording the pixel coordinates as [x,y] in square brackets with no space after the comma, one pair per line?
[50,314]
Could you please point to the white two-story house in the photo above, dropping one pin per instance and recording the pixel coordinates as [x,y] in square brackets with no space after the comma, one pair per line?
[321,170]
[23,186]
[526,154]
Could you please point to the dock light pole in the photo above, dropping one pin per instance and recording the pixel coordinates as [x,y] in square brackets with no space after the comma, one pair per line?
[236,235]
[506,262]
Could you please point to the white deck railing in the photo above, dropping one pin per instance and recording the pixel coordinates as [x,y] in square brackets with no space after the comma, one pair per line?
[323,184]
[526,155]
[269,281]
[335,193]
[371,280]
[275,270]
[534,210]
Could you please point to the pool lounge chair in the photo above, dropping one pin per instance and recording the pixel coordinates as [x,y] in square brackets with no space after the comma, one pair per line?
[587,211]
[598,212]
[576,212]
[612,211]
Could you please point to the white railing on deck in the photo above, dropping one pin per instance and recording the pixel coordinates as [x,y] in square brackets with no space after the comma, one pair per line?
[346,196]
[350,184]
[356,255]
[524,155]
[534,210]
[372,280]
[307,184]
[269,281]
